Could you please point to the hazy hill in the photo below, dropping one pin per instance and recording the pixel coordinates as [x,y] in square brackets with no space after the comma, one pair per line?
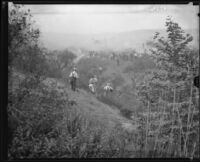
[114,41]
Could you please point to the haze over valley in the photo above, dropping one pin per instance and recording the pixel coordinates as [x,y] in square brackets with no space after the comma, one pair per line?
[106,41]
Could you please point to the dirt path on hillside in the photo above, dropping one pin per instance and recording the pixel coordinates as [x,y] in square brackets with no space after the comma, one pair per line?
[78,58]
[88,104]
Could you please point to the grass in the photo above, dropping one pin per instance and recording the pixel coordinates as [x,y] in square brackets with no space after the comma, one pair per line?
[51,128]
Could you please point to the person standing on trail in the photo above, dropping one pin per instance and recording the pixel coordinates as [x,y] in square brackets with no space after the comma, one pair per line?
[92,84]
[107,89]
[100,70]
[73,79]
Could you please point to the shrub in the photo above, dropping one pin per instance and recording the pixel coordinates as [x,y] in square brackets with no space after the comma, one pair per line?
[36,109]
[88,67]
[48,128]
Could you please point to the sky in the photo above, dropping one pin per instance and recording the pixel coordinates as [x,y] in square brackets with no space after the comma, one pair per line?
[95,19]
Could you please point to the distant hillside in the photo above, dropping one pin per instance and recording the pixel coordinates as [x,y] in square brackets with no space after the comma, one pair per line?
[113,41]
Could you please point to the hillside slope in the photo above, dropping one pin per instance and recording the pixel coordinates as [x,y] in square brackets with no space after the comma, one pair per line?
[86,102]
[118,70]
[93,108]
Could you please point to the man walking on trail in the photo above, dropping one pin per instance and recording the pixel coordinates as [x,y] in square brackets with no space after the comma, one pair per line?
[73,79]
[107,89]
[100,70]
[92,83]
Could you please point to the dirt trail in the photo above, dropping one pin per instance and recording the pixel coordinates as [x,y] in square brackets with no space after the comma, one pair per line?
[88,104]
[78,58]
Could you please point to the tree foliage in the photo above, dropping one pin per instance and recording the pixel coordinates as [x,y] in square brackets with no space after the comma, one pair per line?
[21,30]
[65,58]
[169,92]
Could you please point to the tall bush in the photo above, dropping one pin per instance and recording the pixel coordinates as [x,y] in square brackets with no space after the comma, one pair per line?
[170,88]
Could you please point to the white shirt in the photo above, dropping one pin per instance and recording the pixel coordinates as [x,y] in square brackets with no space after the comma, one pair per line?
[92,80]
[107,87]
[74,74]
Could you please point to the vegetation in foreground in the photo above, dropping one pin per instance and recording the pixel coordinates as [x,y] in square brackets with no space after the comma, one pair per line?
[42,123]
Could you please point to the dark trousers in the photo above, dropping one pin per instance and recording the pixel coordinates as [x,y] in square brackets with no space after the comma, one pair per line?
[73,84]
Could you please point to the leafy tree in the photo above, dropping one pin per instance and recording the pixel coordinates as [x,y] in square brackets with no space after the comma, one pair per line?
[20,29]
[173,53]
[26,59]
[171,86]
[25,53]
[175,61]
[65,58]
